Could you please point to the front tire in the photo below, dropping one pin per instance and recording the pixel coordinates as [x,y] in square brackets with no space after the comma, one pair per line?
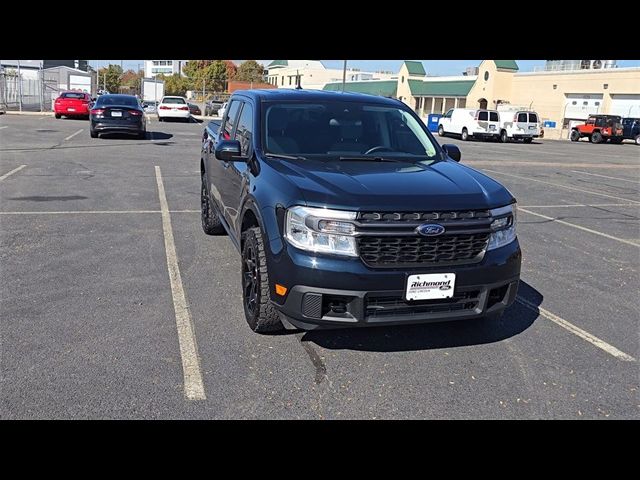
[527,140]
[637,139]
[575,135]
[260,314]
[211,224]
[93,133]
[596,137]
[441,131]
[465,135]
[503,137]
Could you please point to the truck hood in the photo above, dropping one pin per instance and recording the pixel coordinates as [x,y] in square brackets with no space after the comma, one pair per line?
[368,185]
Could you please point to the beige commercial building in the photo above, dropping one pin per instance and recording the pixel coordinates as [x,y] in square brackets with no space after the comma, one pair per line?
[561,97]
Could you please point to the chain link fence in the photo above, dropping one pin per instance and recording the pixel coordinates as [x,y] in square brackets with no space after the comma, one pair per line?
[27,94]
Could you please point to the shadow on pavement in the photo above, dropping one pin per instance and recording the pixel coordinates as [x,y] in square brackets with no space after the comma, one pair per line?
[515,320]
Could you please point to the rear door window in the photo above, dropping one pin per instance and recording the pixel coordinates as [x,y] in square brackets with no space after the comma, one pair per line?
[493,116]
[483,116]
[522,117]
[533,118]
[230,121]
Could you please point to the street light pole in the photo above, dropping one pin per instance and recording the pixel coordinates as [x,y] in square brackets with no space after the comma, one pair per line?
[344,75]
[19,87]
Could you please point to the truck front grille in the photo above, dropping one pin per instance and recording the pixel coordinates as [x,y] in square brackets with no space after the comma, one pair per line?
[396,306]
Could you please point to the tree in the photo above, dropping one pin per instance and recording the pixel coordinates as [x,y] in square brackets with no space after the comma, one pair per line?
[231,69]
[113,75]
[210,74]
[175,84]
[250,71]
[130,79]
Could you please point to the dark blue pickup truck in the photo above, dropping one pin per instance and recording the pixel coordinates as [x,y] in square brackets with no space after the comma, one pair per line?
[346,212]
[631,129]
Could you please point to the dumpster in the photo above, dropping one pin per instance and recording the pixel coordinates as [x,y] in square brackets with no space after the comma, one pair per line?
[432,122]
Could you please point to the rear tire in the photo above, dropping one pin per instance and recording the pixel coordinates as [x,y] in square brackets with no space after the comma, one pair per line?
[159,119]
[575,135]
[527,140]
[93,133]
[440,131]
[260,314]
[616,140]
[464,135]
[211,224]
[58,115]
[596,137]
[637,139]
[503,136]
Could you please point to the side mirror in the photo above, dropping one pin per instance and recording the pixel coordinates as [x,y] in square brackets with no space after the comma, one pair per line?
[452,151]
[227,150]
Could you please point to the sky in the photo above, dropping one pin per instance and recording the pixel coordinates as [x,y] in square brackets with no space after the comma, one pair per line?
[433,67]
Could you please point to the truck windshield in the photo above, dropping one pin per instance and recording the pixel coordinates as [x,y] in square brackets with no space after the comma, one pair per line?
[333,130]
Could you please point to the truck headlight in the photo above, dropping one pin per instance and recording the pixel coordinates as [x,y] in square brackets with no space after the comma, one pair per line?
[321,230]
[503,226]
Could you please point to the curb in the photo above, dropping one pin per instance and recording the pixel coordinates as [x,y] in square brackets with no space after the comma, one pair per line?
[11,112]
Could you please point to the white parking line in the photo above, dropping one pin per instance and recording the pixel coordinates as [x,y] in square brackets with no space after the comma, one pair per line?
[610,349]
[67,212]
[193,384]
[595,232]
[6,126]
[529,179]
[582,205]
[12,172]
[74,134]
[607,176]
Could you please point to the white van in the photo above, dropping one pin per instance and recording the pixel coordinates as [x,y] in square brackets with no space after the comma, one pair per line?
[469,122]
[519,124]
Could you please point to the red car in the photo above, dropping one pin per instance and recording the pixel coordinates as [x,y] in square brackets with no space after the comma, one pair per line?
[73,104]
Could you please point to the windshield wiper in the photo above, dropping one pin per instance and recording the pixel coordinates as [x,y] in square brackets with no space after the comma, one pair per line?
[286,157]
[369,159]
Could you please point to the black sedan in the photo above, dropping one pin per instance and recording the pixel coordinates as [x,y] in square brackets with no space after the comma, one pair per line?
[118,114]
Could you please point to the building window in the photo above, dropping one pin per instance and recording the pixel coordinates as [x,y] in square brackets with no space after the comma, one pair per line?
[486,76]
[555,86]
[155,62]
[282,80]
[597,103]
[402,79]
[585,103]
[605,86]
[169,62]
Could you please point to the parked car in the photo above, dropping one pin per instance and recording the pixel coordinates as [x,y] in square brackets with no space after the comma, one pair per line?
[347,212]
[211,107]
[118,114]
[222,109]
[519,125]
[598,129]
[470,123]
[72,104]
[194,109]
[631,129]
[150,106]
[173,107]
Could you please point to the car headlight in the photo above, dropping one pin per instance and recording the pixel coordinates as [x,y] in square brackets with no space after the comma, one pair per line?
[321,230]
[503,226]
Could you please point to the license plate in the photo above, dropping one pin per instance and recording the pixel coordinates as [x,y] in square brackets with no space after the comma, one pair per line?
[430,286]
[116,114]
[492,127]
[532,128]
[71,109]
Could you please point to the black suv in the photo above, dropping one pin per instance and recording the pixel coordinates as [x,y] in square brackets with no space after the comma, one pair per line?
[347,212]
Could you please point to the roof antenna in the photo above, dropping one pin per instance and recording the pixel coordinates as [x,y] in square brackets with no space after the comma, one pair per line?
[298,86]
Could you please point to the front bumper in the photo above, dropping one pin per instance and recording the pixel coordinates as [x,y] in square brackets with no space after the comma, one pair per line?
[525,135]
[485,134]
[370,296]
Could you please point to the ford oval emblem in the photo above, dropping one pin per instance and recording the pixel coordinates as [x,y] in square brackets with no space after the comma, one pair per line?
[430,229]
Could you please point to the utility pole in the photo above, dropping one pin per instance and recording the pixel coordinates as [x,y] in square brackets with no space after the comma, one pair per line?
[344,75]
[19,87]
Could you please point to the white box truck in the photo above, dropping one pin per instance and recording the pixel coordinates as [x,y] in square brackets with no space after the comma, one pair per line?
[152,90]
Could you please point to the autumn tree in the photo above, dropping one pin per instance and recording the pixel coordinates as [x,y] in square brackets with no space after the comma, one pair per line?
[250,71]
[111,76]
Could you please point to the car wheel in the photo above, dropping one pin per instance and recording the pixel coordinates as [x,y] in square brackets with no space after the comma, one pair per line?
[527,140]
[637,139]
[440,131]
[465,134]
[211,223]
[93,133]
[503,137]
[159,119]
[596,137]
[58,115]
[260,313]
[575,135]
[142,135]
[616,140]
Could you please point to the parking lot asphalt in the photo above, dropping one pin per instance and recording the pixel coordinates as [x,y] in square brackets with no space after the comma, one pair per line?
[90,327]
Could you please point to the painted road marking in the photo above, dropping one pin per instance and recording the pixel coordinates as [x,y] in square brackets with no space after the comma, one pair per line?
[610,349]
[529,179]
[193,384]
[67,212]
[629,242]
[74,134]
[607,176]
[546,164]
[6,126]
[12,172]
[582,205]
